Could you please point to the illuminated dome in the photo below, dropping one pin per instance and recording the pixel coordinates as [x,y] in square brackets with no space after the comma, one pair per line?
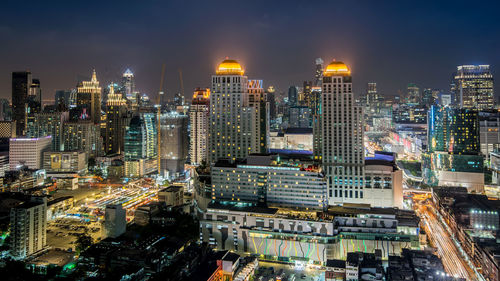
[229,67]
[337,68]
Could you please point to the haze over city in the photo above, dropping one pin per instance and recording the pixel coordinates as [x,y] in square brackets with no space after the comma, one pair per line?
[391,42]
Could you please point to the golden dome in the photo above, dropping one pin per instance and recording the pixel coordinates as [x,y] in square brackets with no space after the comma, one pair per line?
[337,68]
[229,67]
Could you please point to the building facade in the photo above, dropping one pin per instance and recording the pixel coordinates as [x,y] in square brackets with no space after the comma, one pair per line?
[199,119]
[83,136]
[342,136]
[473,87]
[89,99]
[141,145]
[28,228]
[28,152]
[117,119]
[174,143]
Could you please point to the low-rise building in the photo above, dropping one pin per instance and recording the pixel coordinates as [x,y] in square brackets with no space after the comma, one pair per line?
[65,162]
[171,196]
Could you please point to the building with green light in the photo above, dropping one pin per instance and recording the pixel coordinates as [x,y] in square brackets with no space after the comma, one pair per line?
[453,156]
[141,145]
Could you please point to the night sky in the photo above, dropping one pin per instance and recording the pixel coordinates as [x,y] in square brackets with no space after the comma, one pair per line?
[388,42]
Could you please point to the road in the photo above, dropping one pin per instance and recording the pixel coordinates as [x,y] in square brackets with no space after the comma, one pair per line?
[453,261]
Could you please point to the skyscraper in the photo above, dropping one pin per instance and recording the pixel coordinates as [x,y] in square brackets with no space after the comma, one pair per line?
[82,136]
[342,136]
[116,121]
[21,85]
[174,141]
[318,74]
[89,99]
[453,155]
[293,96]
[230,134]
[63,100]
[473,86]
[128,83]
[257,101]
[141,145]
[198,117]
[49,124]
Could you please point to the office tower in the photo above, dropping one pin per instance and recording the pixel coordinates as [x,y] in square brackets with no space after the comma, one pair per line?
[28,152]
[271,99]
[128,83]
[116,121]
[49,124]
[230,132]
[316,119]
[374,101]
[115,220]
[342,136]
[141,145]
[174,143]
[453,155]
[82,136]
[318,74]
[261,180]
[473,86]
[21,85]
[413,94]
[28,222]
[199,118]
[34,105]
[293,96]
[257,101]
[300,117]
[89,99]
[429,97]
[63,100]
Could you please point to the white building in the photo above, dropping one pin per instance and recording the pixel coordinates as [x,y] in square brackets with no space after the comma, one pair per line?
[115,220]
[262,180]
[28,223]
[28,151]
[383,184]
[231,116]
[198,117]
[342,136]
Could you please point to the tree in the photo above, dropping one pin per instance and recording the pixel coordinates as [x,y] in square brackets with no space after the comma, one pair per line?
[83,242]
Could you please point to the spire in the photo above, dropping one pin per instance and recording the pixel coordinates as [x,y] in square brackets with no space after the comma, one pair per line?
[94,76]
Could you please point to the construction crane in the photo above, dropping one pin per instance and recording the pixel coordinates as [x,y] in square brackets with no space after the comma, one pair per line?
[159,105]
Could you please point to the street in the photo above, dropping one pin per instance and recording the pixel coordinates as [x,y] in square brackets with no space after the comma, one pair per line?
[453,261]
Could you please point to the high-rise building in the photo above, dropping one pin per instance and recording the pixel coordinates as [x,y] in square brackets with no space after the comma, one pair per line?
[89,99]
[257,101]
[128,83]
[198,117]
[342,136]
[230,132]
[318,74]
[413,94]
[473,86]
[63,100]
[21,85]
[293,96]
[82,136]
[271,99]
[49,124]
[28,152]
[34,104]
[116,121]
[141,145]
[453,151]
[174,143]
[28,222]
[115,220]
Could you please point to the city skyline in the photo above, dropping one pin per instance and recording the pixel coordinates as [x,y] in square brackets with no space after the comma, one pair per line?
[425,45]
